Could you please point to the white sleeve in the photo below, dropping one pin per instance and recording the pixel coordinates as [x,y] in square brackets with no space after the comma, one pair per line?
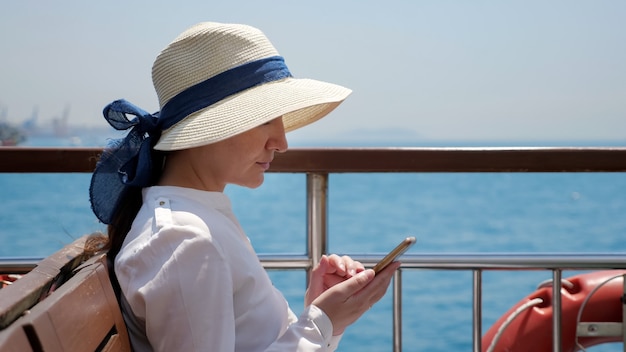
[179,318]
[311,331]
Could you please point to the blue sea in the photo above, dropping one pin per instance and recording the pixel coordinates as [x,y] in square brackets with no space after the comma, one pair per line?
[369,214]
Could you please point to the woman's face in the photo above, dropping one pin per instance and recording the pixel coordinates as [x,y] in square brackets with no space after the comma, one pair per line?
[241,160]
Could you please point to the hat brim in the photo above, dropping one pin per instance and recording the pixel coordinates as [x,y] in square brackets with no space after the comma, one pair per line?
[299,101]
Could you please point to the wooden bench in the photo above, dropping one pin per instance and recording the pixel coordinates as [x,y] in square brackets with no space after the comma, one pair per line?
[66,303]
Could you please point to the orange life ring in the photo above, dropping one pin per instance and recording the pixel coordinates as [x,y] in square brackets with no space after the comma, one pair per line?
[531,329]
[7,279]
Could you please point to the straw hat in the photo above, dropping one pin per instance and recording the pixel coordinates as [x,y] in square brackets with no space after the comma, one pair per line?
[213,82]
[208,51]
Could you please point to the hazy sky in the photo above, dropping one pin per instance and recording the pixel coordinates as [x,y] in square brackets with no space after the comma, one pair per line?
[482,71]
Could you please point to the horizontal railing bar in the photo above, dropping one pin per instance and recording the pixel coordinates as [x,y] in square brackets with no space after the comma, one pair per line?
[17,265]
[358,160]
[447,261]
[48,159]
[278,261]
[513,261]
[452,160]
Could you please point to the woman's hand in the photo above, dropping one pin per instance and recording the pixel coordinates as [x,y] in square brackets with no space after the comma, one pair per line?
[344,290]
[330,271]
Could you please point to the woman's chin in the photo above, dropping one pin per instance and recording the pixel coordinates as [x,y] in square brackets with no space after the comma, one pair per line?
[253,183]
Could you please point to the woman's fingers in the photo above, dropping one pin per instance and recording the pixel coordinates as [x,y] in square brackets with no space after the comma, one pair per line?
[344,266]
[317,283]
[356,283]
[381,287]
[375,290]
[345,302]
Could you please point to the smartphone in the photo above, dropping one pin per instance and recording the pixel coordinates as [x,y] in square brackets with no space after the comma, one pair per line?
[394,254]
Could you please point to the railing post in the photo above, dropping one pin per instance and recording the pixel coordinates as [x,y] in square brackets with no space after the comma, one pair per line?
[556,310]
[477,303]
[397,310]
[317,213]
[624,312]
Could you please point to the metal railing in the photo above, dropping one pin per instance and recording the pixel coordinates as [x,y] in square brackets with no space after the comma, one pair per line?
[319,163]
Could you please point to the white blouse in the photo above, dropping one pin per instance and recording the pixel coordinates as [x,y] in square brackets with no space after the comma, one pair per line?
[194,283]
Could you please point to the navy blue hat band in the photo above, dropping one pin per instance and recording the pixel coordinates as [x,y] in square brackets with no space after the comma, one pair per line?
[220,86]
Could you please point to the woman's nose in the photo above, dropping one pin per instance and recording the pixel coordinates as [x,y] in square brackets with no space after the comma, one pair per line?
[278,139]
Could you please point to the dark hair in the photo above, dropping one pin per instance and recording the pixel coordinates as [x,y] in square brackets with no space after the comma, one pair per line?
[122,220]
[118,229]
[125,214]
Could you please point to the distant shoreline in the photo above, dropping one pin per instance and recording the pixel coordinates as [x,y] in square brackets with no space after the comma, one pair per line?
[103,134]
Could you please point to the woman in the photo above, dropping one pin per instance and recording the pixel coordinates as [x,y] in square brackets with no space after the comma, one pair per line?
[189,280]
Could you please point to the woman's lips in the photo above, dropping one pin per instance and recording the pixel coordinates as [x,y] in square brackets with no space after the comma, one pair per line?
[265,166]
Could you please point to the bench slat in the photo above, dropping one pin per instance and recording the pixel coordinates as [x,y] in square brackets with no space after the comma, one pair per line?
[31,288]
[80,315]
[79,310]
[14,340]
